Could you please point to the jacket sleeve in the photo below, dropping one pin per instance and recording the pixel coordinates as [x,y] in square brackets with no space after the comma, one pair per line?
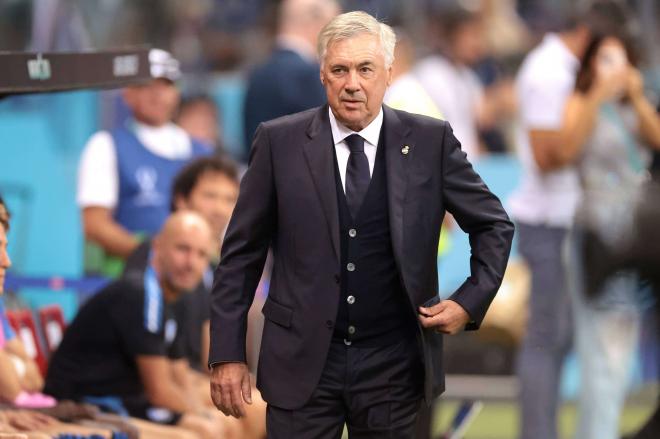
[243,255]
[480,214]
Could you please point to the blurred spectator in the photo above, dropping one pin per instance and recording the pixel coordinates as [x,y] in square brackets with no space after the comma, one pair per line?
[208,186]
[651,428]
[23,424]
[125,175]
[543,207]
[123,349]
[406,92]
[507,40]
[198,116]
[505,32]
[20,380]
[608,122]
[288,82]
[448,78]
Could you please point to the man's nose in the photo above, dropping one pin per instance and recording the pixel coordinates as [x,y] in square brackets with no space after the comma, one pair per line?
[352,81]
[5,261]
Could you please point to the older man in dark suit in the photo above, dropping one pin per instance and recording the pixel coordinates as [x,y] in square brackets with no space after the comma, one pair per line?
[351,196]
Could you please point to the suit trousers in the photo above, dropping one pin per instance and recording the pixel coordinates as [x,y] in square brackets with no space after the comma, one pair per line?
[375,391]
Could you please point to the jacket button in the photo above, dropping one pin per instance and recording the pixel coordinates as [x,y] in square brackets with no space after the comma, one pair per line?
[350,300]
[329,324]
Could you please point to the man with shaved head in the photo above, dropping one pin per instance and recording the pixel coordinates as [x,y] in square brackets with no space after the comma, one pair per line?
[123,349]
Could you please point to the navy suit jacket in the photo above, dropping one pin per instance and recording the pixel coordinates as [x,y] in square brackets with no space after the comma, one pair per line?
[288,200]
[285,84]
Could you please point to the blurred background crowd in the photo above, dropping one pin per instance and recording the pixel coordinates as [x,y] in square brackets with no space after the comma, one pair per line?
[554,102]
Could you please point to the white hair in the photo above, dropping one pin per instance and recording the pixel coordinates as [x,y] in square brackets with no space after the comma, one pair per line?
[350,24]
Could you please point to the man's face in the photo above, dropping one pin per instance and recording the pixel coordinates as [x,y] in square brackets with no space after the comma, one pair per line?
[5,262]
[355,79]
[213,197]
[182,256]
[153,103]
[200,121]
[468,45]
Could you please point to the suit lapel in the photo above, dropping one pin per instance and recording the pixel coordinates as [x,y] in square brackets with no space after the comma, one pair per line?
[319,152]
[398,150]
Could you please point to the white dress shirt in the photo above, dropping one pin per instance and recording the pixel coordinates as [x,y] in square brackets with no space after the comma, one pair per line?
[370,134]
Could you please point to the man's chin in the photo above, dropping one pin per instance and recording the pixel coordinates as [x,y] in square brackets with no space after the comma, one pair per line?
[185,286]
[189,286]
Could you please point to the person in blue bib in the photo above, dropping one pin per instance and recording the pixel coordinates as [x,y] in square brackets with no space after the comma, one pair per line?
[125,174]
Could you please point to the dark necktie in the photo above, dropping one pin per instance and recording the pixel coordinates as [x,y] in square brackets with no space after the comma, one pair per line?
[357,174]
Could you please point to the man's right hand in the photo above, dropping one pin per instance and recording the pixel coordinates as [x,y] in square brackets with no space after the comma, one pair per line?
[230,386]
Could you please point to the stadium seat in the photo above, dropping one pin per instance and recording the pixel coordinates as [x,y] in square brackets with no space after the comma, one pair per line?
[51,319]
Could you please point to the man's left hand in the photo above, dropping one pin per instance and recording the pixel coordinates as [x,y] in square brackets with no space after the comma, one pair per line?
[447,317]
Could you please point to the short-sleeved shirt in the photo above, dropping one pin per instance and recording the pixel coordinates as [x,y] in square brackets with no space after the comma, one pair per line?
[456,91]
[544,83]
[97,356]
[407,93]
[192,309]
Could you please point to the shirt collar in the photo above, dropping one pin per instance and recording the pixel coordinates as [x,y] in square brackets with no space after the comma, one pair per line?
[370,133]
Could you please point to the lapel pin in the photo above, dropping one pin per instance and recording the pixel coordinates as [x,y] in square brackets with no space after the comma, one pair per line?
[405,150]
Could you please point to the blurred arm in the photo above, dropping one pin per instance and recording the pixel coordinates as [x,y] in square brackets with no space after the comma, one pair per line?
[649,121]
[32,380]
[101,228]
[555,149]
[97,196]
[162,390]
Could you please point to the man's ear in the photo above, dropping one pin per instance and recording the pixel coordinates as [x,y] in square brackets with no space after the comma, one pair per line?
[389,76]
[180,203]
[322,76]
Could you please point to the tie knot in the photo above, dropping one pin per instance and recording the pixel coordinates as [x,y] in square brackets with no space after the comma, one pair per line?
[355,143]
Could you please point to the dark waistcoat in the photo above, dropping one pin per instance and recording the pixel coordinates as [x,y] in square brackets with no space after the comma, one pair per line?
[373,308]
